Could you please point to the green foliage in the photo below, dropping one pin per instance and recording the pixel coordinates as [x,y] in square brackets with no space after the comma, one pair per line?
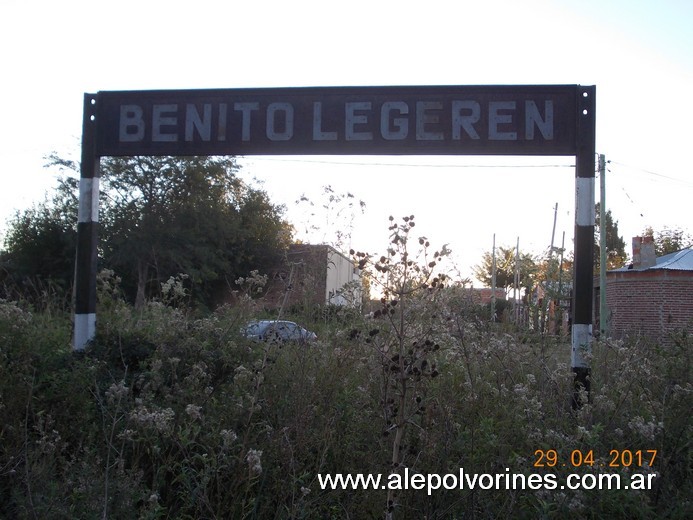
[39,247]
[505,268]
[159,216]
[193,215]
[669,240]
[171,414]
[615,246]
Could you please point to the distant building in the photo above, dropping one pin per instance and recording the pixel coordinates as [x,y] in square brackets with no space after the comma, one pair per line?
[652,297]
[468,298]
[483,295]
[316,274]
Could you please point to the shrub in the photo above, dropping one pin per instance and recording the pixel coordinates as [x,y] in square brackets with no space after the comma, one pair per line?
[170,415]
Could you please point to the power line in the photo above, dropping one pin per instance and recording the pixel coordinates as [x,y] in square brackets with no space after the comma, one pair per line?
[413,165]
[655,174]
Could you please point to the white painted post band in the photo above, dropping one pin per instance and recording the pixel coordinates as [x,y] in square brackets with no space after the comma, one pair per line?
[84,329]
[584,201]
[88,210]
[581,341]
[84,326]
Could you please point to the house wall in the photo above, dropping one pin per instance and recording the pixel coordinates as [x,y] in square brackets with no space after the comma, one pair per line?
[318,273]
[653,303]
[340,272]
[310,273]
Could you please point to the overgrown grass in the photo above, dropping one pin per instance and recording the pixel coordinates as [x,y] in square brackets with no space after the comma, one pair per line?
[168,415]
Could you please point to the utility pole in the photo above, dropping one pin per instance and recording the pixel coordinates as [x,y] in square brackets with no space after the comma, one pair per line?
[516,282]
[603,310]
[560,277]
[545,306]
[493,281]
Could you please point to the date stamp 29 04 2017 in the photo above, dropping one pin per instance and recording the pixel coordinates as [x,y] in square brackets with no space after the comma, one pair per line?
[581,458]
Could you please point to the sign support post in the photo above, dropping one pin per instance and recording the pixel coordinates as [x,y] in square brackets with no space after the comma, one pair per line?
[583,267]
[87,231]
[410,120]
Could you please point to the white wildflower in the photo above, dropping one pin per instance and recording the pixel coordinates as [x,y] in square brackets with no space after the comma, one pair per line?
[253,458]
[160,420]
[117,392]
[194,411]
[228,437]
[127,435]
[647,429]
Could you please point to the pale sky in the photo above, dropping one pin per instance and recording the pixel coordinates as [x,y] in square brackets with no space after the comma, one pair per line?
[638,53]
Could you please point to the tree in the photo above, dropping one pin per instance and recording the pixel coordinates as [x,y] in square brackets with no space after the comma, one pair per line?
[39,247]
[159,217]
[192,215]
[505,269]
[669,240]
[615,246]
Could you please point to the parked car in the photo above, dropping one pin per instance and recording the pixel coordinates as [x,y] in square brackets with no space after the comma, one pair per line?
[277,330]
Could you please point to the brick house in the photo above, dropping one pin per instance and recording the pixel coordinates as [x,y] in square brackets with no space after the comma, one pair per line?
[652,297]
[483,295]
[315,274]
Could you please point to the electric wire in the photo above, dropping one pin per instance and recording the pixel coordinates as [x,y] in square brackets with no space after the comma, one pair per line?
[654,174]
[411,165]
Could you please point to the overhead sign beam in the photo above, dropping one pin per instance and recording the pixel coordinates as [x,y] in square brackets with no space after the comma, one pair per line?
[439,120]
[465,120]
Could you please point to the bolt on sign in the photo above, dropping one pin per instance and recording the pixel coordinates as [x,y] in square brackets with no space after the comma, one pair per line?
[435,120]
[505,120]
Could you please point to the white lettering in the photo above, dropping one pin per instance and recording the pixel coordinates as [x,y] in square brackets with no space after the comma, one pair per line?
[394,481]
[131,124]
[495,119]
[399,128]
[489,481]
[418,481]
[221,135]
[318,134]
[435,121]
[352,119]
[424,117]
[193,121]
[245,109]
[160,119]
[465,121]
[533,118]
[272,133]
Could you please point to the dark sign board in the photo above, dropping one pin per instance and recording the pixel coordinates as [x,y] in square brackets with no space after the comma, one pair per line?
[442,120]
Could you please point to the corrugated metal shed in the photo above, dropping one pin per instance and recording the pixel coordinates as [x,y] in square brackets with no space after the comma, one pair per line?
[679,261]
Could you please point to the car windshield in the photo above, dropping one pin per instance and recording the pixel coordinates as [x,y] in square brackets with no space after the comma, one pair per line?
[252,328]
[280,330]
